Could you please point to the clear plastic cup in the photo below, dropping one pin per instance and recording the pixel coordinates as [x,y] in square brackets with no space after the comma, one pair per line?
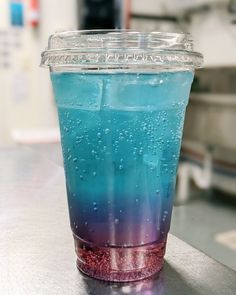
[121,99]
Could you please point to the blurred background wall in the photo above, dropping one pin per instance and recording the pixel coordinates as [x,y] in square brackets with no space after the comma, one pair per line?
[26,101]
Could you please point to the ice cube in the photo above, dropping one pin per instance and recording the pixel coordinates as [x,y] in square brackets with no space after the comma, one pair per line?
[78,91]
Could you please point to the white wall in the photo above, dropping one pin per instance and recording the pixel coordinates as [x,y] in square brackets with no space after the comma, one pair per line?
[26,100]
[215,36]
[3,14]
[56,16]
[149,7]
[4,129]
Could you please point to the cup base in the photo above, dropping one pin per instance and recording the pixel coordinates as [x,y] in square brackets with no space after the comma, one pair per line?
[119,264]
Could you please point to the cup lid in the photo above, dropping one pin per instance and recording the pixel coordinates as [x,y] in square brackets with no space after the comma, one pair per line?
[101,49]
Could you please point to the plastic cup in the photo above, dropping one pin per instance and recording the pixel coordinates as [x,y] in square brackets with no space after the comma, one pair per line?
[121,99]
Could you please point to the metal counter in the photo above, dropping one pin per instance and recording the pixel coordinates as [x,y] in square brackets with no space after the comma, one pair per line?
[36,246]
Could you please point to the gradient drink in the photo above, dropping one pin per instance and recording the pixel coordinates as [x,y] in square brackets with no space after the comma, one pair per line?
[121,137]
[121,133]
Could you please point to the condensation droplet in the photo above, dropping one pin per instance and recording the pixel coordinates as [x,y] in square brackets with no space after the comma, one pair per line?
[116,221]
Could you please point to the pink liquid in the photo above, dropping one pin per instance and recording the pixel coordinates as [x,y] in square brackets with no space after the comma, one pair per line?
[119,263]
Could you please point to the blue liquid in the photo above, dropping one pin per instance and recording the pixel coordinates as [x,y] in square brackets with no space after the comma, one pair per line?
[121,136]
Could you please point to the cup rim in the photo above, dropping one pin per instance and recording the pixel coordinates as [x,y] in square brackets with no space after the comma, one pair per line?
[129,47]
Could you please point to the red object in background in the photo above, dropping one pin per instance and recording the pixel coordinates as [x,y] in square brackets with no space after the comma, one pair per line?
[128,13]
[34,13]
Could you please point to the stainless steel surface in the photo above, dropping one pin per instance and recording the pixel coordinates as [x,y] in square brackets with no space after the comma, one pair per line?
[36,248]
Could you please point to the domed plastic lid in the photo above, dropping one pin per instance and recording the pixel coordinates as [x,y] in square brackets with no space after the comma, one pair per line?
[121,49]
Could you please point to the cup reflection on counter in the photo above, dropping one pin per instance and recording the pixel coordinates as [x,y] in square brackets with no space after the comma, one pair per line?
[150,286]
